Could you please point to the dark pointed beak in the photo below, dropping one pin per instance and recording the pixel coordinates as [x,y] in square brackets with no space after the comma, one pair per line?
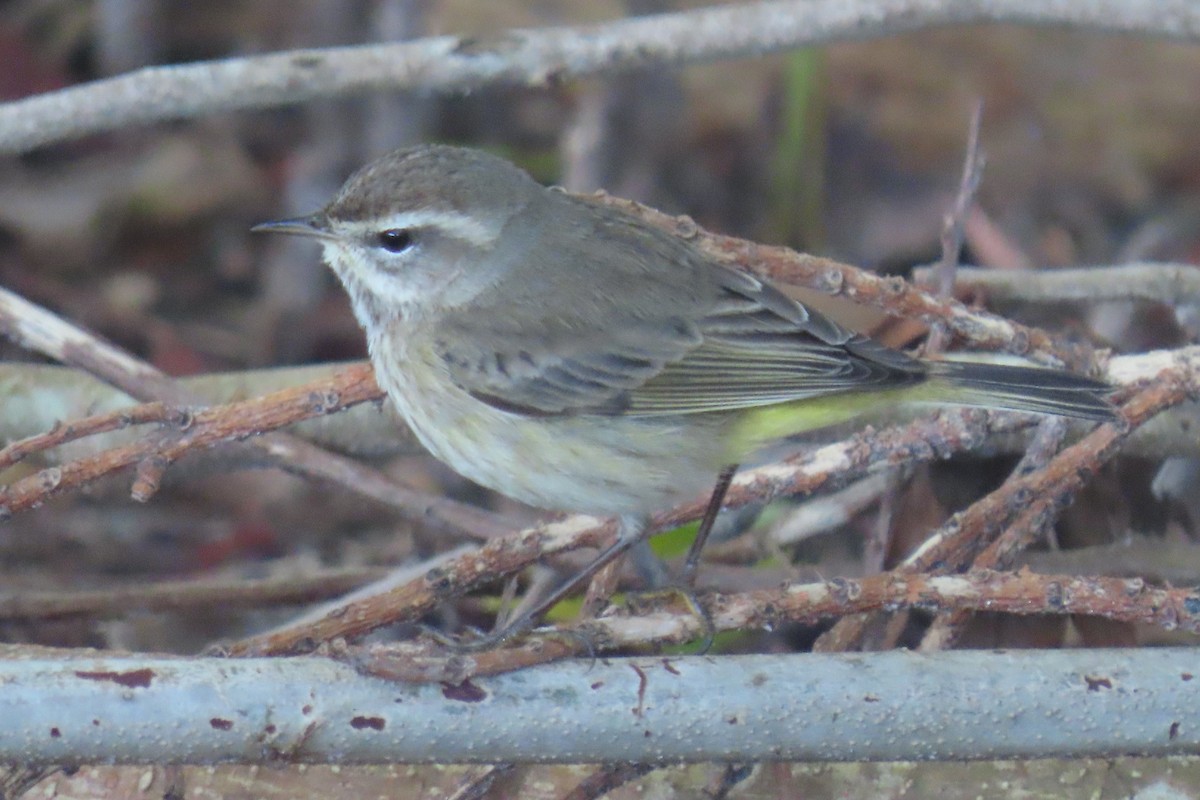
[300,226]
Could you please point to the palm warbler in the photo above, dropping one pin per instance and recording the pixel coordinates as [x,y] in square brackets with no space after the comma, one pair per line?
[573,357]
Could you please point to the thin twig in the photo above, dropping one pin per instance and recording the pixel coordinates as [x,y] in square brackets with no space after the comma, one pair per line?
[954,224]
[450,64]
[202,429]
[1134,555]
[1051,432]
[893,294]
[177,596]
[478,784]
[819,515]
[879,538]
[607,778]
[955,219]
[1022,593]
[1025,498]
[992,245]
[37,397]
[36,328]
[232,422]
[73,431]
[412,600]
[1159,282]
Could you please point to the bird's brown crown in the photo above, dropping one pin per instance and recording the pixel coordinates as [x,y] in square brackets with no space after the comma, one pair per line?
[434,177]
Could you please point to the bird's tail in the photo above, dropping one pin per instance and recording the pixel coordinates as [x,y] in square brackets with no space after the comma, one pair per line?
[1013,388]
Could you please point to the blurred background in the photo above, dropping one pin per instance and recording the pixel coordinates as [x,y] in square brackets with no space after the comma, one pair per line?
[852,151]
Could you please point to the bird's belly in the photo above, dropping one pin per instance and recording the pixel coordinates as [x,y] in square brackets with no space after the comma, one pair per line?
[590,464]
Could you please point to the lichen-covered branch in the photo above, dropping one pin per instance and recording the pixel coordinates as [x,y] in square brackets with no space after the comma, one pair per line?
[35,398]
[1003,520]
[1023,593]
[38,329]
[187,432]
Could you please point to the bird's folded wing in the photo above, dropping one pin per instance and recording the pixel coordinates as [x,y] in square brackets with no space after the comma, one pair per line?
[752,346]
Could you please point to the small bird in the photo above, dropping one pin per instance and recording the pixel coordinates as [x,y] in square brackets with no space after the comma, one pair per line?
[573,357]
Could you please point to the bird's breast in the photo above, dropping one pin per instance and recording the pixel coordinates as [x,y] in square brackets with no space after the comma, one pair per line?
[591,464]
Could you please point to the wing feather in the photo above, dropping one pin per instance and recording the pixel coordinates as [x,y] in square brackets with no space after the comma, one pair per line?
[699,340]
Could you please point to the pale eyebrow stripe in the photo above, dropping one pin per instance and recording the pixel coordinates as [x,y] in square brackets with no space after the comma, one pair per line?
[455,224]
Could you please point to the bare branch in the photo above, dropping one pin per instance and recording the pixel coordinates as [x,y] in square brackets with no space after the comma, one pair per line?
[203,429]
[415,598]
[1024,531]
[446,64]
[893,294]
[36,328]
[1023,593]
[1168,283]
[62,434]
[152,454]
[37,398]
[1024,502]
[185,595]
[954,223]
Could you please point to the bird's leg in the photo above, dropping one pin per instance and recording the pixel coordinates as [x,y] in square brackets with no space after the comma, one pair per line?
[691,565]
[629,533]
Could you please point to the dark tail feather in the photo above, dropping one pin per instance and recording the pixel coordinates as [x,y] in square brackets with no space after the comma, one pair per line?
[1045,391]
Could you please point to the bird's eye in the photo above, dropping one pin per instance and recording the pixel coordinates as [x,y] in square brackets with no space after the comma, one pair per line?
[395,240]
